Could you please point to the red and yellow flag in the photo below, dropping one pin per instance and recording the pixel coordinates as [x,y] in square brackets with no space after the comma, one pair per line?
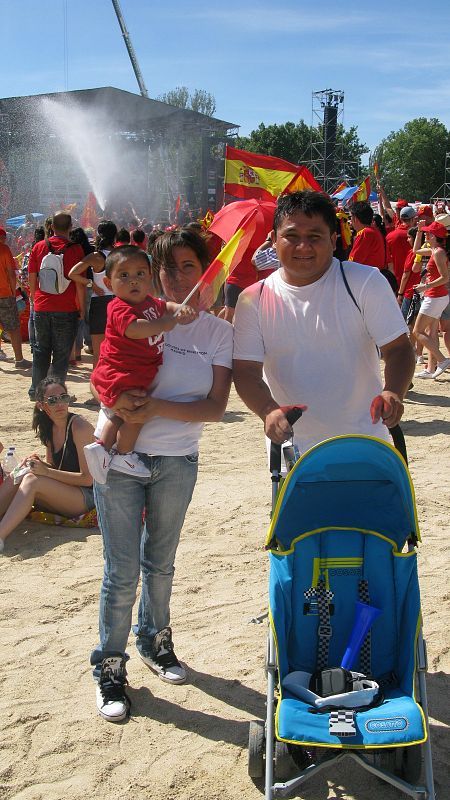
[375,169]
[362,192]
[339,188]
[344,226]
[228,258]
[89,216]
[205,221]
[250,175]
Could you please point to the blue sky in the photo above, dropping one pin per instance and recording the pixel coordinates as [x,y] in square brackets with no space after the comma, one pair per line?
[261,60]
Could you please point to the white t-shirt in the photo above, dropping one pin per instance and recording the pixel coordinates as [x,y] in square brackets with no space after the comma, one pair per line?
[186,374]
[318,349]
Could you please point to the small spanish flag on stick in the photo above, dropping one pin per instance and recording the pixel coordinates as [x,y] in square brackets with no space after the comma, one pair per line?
[223,265]
[362,192]
[339,188]
[375,169]
[205,221]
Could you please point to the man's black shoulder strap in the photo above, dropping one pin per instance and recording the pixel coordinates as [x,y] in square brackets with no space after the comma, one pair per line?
[349,291]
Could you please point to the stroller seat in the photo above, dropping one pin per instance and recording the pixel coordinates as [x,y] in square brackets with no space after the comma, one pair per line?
[338,566]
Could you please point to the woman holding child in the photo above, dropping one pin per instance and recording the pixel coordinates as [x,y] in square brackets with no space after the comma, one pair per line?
[61,482]
[191,387]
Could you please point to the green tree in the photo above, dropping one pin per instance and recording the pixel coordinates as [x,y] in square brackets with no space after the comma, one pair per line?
[411,161]
[288,141]
[292,141]
[203,102]
[199,100]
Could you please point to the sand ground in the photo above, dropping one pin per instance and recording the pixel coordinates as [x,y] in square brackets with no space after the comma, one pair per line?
[187,742]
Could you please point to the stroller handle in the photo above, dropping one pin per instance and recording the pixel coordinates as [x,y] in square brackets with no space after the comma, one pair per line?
[292,415]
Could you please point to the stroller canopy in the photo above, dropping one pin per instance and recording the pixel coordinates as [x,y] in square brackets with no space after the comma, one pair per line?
[355,481]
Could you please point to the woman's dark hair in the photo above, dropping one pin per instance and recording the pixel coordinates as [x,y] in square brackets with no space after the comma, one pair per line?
[42,424]
[151,239]
[312,204]
[164,246]
[39,234]
[123,236]
[378,220]
[119,254]
[79,236]
[106,235]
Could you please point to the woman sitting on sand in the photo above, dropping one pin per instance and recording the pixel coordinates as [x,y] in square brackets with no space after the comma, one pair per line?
[61,484]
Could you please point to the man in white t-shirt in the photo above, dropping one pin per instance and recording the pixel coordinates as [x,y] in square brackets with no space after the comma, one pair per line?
[309,335]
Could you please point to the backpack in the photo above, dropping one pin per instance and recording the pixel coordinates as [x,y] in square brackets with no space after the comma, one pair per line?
[51,273]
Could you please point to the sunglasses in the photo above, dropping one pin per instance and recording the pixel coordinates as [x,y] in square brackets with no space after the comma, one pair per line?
[57,398]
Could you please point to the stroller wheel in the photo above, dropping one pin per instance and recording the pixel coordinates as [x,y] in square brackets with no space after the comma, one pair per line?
[256,747]
[410,763]
[285,766]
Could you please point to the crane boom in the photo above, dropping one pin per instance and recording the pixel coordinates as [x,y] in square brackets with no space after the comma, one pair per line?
[129,46]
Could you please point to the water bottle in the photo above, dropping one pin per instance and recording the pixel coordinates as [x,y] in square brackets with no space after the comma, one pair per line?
[10,461]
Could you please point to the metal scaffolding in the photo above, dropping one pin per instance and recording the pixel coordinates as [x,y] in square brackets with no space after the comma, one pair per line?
[325,156]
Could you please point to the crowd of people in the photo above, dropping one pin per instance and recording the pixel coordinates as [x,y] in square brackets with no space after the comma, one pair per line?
[310,332]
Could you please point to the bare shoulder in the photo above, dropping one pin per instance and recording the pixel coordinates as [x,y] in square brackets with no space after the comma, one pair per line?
[81,426]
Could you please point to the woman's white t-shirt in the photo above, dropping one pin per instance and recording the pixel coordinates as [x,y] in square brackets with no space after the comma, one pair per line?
[318,349]
[190,352]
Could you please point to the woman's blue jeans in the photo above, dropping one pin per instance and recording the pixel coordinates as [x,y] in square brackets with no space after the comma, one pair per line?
[131,549]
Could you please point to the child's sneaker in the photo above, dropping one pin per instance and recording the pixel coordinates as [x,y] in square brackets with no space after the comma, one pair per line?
[129,462]
[98,460]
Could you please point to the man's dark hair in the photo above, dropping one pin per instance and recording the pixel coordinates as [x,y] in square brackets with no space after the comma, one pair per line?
[138,236]
[312,204]
[123,235]
[120,254]
[363,211]
[412,232]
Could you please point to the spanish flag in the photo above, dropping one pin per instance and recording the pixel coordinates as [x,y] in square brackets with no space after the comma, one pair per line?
[362,192]
[339,188]
[263,177]
[205,221]
[375,169]
[344,227]
[229,257]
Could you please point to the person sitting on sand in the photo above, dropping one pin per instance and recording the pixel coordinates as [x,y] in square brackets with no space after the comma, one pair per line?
[61,483]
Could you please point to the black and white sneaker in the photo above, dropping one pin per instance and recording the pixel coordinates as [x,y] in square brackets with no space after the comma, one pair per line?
[112,701]
[163,660]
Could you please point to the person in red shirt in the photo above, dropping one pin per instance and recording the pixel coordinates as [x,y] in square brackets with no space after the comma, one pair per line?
[55,315]
[131,352]
[435,291]
[9,317]
[397,243]
[368,244]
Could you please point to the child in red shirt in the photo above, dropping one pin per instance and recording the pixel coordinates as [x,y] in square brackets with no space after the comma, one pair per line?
[131,352]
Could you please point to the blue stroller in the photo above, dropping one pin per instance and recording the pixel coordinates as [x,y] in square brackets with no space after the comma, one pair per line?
[344,532]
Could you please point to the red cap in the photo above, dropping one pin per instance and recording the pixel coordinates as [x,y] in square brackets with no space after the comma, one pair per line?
[424,211]
[2,232]
[401,203]
[437,229]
